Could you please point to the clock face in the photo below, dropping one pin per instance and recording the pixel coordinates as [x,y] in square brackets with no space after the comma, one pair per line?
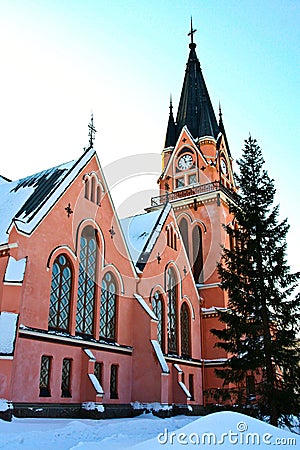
[223,166]
[185,162]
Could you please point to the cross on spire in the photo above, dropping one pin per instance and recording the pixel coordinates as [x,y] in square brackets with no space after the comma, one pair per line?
[92,131]
[191,33]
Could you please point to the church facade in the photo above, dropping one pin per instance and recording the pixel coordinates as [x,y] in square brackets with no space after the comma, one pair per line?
[100,316]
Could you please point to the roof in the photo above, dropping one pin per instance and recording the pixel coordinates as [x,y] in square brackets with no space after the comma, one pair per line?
[171,129]
[26,201]
[141,232]
[195,109]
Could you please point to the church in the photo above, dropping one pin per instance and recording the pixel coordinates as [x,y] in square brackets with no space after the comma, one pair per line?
[102,316]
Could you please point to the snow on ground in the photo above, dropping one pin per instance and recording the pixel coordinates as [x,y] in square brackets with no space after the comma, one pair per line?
[226,430]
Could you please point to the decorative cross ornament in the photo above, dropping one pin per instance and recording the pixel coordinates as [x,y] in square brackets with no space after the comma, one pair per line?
[191,33]
[92,131]
[112,232]
[69,210]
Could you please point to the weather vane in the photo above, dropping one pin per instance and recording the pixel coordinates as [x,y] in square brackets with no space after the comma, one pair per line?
[92,131]
[191,33]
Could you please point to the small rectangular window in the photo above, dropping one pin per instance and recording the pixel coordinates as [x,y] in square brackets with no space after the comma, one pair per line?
[114,381]
[179,182]
[98,371]
[250,386]
[45,376]
[191,386]
[66,378]
[192,179]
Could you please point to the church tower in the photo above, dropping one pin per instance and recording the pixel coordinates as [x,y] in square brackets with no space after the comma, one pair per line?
[197,179]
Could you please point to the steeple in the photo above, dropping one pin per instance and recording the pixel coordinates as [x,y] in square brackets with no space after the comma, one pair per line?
[195,109]
[222,129]
[171,130]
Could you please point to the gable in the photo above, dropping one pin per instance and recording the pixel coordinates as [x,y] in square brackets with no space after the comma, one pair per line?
[26,201]
[185,140]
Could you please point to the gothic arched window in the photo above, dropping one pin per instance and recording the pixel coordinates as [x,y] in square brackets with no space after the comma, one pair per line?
[108,307]
[183,227]
[185,330]
[172,311]
[93,188]
[87,188]
[60,295]
[158,309]
[197,255]
[86,281]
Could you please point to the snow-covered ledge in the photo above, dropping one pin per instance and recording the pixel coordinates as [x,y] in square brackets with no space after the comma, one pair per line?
[15,271]
[146,307]
[8,330]
[160,356]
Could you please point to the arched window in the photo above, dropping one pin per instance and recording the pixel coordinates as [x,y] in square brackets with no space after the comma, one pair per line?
[108,307]
[87,189]
[60,295]
[98,195]
[183,227]
[197,255]
[86,281]
[158,309]
[185,330]
[93,188]
[172,311]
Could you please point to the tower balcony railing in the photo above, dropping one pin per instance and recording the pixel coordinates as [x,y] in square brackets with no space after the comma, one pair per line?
[193,191]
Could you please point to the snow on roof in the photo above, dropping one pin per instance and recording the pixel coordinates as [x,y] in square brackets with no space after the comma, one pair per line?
[141,232]
[15,270]
[145,306]
[27,200]
[8,328]
[137,230]
[160,356]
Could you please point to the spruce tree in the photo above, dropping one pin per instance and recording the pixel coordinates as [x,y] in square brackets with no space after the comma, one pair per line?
[262,319]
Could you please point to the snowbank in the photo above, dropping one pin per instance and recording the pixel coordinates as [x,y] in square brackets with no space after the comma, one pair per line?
[143,432]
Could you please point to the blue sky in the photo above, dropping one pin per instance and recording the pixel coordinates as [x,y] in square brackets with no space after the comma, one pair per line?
[62,59]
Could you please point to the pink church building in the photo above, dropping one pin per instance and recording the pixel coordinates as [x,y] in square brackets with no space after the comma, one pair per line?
[101,317]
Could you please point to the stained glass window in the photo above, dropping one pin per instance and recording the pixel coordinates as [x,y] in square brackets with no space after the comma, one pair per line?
[108,307]
[185,330]
[60,295]
[172,311]
[66,378]
[157,306]
[86,282]
[45,376]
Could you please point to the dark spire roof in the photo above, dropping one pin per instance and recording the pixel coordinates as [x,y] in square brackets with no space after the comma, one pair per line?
[222,129]
[195,109]
[171,130]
